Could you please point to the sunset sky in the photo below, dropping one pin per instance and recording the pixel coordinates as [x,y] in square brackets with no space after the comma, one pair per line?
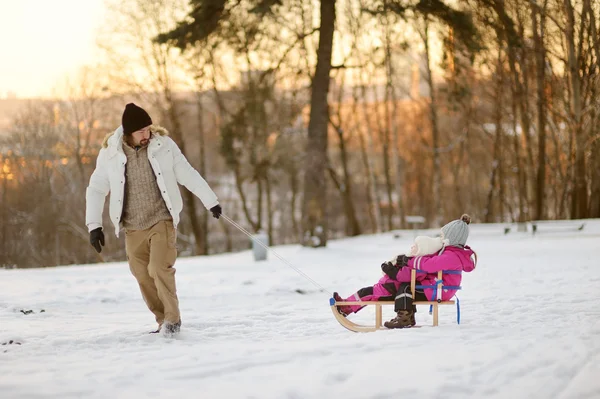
[46,42]
[43,41]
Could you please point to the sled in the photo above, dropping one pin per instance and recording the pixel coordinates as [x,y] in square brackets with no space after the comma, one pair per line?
[434,306]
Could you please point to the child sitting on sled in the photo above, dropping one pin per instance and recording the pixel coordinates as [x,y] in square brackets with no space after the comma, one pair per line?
[393,275]
[447,252]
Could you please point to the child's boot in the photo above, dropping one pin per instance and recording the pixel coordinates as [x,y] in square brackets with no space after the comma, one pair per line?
[404,319]
[343,310]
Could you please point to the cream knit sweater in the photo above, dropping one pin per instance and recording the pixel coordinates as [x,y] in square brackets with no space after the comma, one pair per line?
[143,204]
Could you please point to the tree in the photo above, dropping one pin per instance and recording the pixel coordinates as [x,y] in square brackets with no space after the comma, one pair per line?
[344,183]
[208,17]
[539,31]
[574,62]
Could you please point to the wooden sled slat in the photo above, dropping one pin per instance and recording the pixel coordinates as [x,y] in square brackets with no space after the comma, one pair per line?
[366,303]
[350,325]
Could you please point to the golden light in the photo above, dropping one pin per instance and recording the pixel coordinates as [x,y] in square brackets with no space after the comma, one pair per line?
[272,139]
[5,172]
[56,112]
[64,161]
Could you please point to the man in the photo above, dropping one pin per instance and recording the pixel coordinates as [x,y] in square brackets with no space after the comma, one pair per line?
[140,166]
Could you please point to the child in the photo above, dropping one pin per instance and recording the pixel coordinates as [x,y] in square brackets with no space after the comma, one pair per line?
[455,255]
[394,274]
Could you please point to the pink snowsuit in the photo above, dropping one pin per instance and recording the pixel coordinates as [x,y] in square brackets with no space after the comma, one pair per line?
[452,258]
[385,289]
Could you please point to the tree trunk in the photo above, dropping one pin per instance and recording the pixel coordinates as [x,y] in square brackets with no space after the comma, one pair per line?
[345,188]
[435,134]
[579,199]
[352,224]
[5,255]
[369,151]
[540,56]
[521,188]
[385,136]
[315,187]
[524,107]
[246,209]
[202,238]
[518,103]
[270,211]
[595,37]
[391,117]
[397,160]
[294,185]
[497,162]
[190,198]
[365,159]
[370,201]
[594,211]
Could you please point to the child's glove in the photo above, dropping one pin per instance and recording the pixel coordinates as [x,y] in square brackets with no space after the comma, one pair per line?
[402,260]
[390,269]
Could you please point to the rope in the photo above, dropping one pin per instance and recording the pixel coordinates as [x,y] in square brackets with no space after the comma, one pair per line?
[274,253]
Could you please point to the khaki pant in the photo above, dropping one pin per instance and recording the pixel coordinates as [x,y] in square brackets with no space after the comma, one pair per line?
[151,254]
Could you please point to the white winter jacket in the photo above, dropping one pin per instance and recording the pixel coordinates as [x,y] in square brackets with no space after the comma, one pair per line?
[170,167]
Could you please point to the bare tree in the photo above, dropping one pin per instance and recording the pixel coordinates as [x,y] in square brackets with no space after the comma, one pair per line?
[574,61]
[540,60]
[344,184]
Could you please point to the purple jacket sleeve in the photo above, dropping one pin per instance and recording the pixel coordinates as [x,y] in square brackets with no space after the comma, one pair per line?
[435,263]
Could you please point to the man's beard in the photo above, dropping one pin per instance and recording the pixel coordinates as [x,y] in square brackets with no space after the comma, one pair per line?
[144,142]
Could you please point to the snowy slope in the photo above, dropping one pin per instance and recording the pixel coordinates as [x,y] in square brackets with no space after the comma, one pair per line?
[530,327]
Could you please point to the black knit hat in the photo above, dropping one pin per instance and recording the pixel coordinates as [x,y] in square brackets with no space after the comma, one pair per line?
[134,118]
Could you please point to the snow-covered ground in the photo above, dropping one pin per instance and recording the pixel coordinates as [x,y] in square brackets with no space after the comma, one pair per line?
[530,327]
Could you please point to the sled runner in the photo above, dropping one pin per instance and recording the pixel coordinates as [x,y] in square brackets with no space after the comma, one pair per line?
[434,305]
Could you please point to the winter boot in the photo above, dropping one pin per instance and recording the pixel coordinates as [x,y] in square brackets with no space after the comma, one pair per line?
[404,319]
[343,310]
[171,329]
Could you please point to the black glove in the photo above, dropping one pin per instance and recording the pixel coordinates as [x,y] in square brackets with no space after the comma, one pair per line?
[402,260]
[390,269]
[97,239]
[216,211]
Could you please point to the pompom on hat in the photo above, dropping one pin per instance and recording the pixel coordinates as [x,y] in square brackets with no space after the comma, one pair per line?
[457,231]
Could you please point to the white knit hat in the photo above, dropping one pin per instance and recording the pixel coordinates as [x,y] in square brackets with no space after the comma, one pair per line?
[457,231]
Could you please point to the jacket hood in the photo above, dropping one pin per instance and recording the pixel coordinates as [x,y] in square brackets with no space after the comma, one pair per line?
[155,129]
[468,257]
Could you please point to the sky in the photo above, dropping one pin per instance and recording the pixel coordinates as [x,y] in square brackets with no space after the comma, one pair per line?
[530,324]
[43,41]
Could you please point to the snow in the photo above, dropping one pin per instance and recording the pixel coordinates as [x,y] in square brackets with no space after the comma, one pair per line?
[530,327]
